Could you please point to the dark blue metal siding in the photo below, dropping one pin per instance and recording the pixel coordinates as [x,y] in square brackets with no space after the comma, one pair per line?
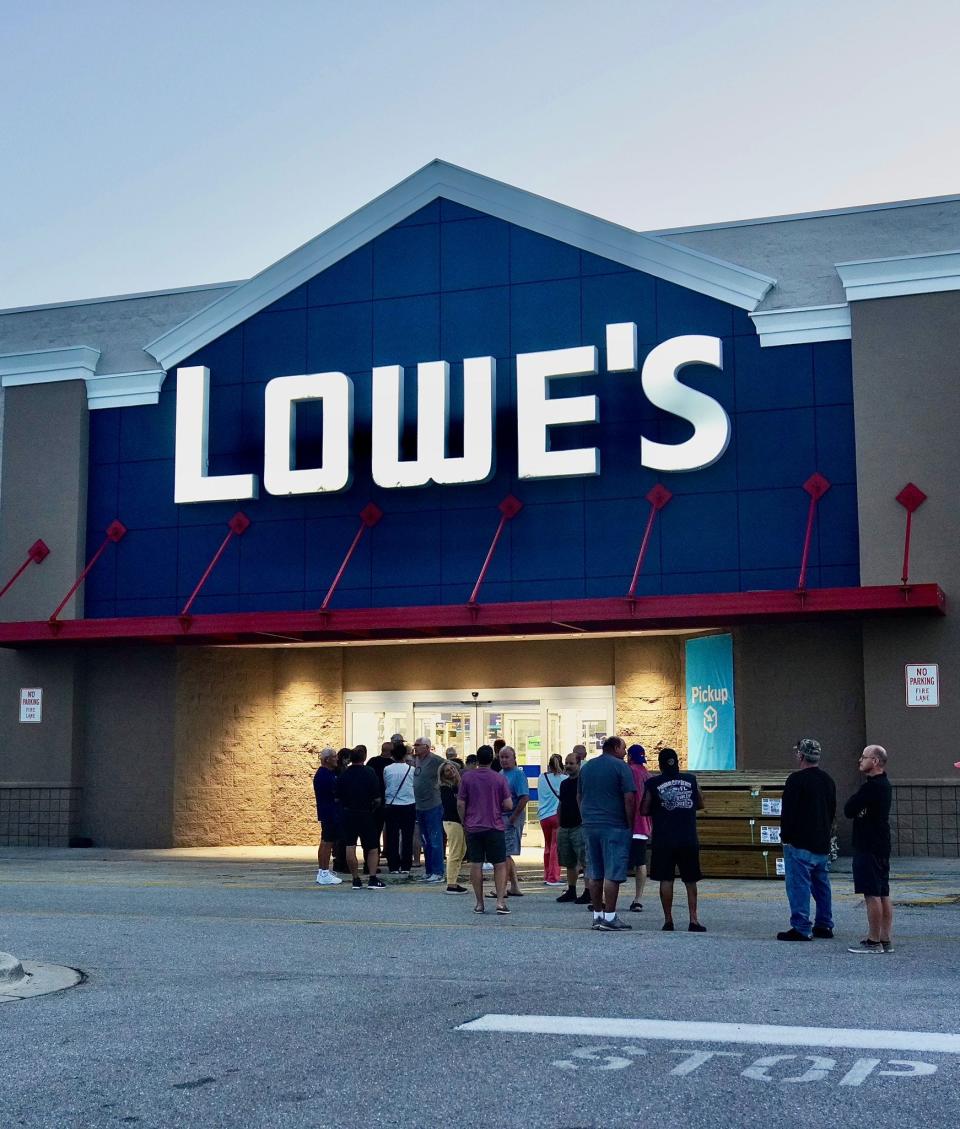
[449,283]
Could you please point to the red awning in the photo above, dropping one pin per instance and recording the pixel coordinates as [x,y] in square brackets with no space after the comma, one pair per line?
[542,617]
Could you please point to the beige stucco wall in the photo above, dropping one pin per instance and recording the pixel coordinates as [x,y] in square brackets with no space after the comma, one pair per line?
[650,693]
[250,723]
[308,714]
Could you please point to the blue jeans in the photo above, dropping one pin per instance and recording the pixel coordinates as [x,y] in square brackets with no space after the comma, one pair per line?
[806,874]
[430,823]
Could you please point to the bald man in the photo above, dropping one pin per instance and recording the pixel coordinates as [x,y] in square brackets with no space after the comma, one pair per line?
[869,808]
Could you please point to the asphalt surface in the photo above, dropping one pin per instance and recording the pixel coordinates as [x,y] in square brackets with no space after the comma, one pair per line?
[226,989]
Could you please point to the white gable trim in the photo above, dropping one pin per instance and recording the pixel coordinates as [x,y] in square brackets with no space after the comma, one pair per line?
[687,268]
[124,390]
[45,366]
[79,362]
[803,324]
[905,274]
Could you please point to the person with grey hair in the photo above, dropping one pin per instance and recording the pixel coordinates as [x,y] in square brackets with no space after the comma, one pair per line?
[808,808]
[869,808]
[325,793]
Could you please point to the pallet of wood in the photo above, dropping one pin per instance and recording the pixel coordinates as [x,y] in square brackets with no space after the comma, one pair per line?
[716,862]
[739,828]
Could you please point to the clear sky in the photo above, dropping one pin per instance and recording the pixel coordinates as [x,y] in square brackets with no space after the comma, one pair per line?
[166,143]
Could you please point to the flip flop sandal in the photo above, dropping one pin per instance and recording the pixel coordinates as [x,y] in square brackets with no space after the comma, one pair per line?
[479,909]
[511,894]
[503,909]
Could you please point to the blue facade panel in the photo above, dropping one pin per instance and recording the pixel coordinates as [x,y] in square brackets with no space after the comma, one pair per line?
[450,283]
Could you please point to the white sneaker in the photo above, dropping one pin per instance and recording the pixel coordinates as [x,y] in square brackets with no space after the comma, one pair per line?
[434,878]
[558,883]
[325,878]
[488,866]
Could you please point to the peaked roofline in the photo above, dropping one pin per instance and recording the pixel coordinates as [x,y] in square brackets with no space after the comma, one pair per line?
[791,217]
[681,265]
[67,303]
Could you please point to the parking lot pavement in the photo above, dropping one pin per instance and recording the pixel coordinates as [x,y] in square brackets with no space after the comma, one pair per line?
[223,988]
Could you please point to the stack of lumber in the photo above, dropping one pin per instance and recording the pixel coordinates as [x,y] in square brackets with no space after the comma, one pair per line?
[739,828]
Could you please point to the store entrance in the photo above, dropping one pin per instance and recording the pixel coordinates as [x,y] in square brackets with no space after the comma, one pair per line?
[465,727]
[537,722]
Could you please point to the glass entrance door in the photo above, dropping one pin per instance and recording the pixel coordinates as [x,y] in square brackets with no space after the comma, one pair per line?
[447,728]
[537,722]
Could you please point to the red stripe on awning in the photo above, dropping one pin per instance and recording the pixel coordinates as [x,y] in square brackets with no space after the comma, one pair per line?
[559,617]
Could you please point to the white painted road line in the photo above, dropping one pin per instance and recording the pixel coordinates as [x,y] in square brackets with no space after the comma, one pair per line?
[757,1034]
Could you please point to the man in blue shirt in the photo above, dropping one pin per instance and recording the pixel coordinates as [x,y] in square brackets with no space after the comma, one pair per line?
[516,780]
[325,792]
[608,798]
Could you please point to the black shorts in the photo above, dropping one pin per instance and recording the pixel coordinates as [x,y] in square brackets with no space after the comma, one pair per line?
[329,829]
[871,875]
[668,858]
[486,846]
[638,852]
[360,825]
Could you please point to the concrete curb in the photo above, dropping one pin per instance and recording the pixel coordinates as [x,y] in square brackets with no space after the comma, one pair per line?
[11,970]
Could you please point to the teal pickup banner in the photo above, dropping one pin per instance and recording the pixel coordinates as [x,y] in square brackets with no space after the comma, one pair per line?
[711,732]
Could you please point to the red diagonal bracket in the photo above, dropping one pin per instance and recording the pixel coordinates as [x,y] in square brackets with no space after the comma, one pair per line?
[369,516]
[115,531]
[237,526]
[816,486]
[911,498]
[657,496]
[509,508]
[37,552]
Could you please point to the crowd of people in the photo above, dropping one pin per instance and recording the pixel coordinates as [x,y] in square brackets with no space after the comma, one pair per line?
[599,817]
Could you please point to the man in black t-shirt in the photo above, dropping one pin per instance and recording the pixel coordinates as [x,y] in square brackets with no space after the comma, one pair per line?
[672,800]
[358,794]
[378,764]
[808,808]
[571,851]
[869,808]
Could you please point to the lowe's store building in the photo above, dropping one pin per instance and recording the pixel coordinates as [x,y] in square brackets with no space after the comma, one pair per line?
[473,464]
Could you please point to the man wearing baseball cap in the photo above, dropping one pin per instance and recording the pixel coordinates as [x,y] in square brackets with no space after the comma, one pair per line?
[806,824]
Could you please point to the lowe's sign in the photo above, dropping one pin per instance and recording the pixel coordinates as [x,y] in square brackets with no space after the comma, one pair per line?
[711,732]
[538,413]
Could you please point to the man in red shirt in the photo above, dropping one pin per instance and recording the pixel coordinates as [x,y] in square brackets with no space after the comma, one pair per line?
[483,798]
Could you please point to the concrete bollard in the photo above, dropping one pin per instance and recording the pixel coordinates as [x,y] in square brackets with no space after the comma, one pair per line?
[11,970]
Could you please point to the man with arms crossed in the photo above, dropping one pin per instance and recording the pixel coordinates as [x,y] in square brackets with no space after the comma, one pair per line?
[483,798]
[608,798]
[673,799]
[869,808]
[806,825]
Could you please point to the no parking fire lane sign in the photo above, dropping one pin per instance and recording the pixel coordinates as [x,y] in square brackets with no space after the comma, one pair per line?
[923,684]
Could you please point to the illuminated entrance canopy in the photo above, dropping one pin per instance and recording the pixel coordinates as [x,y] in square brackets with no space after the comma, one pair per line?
[537,414]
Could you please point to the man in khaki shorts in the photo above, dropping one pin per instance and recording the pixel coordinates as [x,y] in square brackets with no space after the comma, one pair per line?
[571,851]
